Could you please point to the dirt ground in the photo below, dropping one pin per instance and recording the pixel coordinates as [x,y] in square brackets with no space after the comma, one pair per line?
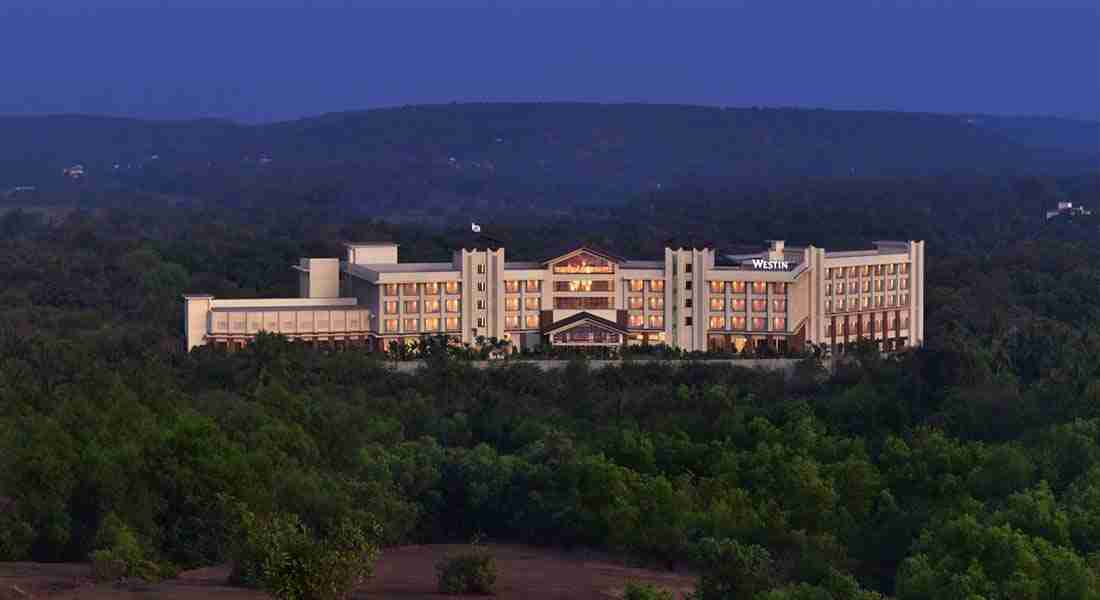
[403,573]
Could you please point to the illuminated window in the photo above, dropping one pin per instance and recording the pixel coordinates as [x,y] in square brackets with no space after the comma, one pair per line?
[828,273]
[759,287]
[759,305]
[866,302]
[866,285]
[532,321]
[454,305]
[839,288]
[840,304]
[828,289]
[412,306]
[717,287]
[532,285]
[481,286]
[880,300]
[905,321]
[656,321]
[891,284]
[891,269]
[481,322]
[656,285]
[904,283]
[637,320]
[431,306]
[828,305]
[737,323]
[779,288]
[838,272]
[583,303]
[412,324]
[390,289]
[779,324]
[759,324]
[511,304]
[717,323]
[779,305]
[584,285]
[511,286]
[879,285]
[532,302]
[739,304]
[390,325]
[636,285]
[390,307]
[878,269]
[656,303]
[454,287]
[431,289]
[904,268]
[738,287]
[584,263]
[718,303]
[893,301]
[511,321]
[905,299]
[452,323]
[853,287]
[634,302]
[431,324]
[865,270]
[408,289]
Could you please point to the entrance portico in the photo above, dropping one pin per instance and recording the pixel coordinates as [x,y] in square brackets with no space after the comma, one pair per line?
[585,329]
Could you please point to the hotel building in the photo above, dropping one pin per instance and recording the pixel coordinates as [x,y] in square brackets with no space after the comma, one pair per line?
[781,297]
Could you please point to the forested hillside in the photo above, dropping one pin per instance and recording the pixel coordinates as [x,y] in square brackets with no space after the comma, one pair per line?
[967,469]
[426,161]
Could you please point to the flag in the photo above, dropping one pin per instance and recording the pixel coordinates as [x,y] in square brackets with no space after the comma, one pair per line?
[475,227]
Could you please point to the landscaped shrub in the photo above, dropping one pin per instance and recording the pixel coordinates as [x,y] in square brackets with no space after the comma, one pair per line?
[120,554]
[473,571]
[646,591]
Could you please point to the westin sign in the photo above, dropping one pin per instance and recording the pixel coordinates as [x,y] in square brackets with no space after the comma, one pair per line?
[770,265]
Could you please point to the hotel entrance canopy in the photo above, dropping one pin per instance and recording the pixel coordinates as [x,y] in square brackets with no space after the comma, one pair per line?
[585,329]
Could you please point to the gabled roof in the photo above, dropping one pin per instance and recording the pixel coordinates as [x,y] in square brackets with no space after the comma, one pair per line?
[584,317]
[590,250]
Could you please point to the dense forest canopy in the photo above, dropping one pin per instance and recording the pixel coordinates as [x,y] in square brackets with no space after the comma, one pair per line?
[969,468]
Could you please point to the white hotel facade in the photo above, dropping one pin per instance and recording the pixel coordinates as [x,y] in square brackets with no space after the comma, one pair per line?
[781,297]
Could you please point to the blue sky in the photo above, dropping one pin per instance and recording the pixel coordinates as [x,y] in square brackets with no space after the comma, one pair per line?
[277,59]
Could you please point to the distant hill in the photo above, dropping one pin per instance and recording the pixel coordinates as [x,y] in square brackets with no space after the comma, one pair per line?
[442,157]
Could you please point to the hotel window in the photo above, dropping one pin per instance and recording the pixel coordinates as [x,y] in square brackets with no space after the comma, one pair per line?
[531,302]
[866,302]
[389,289]
[511,304]
[717,287]
[717,323]
[738,287]
[904,283]
[583,303]
[779,305]
[584,263]
[656,285]
[408,289]
[584,285]
[904,268]
[481,286]
[431,306]
[891,284]
[481,305]
[891,269]
[893,300]
[687,268]
[905,299]
[832,330]
[390,307]
[453,287]
[759,287]
[737,323]
[839,272]
[839,288]
[866,270]
[532,285]
[905,321]
[412,306]
[656,321]
[866,285]
[840,304]
[635,302]
[390,325]
[636,285]
[511,286]
[481,322]
[687,302]
[853,271]
[431,289]
[454,305]
[779,288]
[431,324]
[879,285]
[687,322]
[687,285]
[828,273]
[779,324]
[880,300]
[532,321]
[511,321]
[637,320]
[828,289]
[759,305]
[739,304]
[759,324]
[828,305]
[480,269]
[412,324]
[718,304]
[878,269]
[853,287]
[452,323]
[656,303]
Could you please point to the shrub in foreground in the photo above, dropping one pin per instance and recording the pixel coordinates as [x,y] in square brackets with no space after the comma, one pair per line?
[646,591]
[473,571]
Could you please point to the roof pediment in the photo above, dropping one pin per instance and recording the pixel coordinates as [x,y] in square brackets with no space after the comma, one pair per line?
[586,250]
[584,318]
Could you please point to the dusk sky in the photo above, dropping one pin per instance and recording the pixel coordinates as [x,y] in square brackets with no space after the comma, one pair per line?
[277,59]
